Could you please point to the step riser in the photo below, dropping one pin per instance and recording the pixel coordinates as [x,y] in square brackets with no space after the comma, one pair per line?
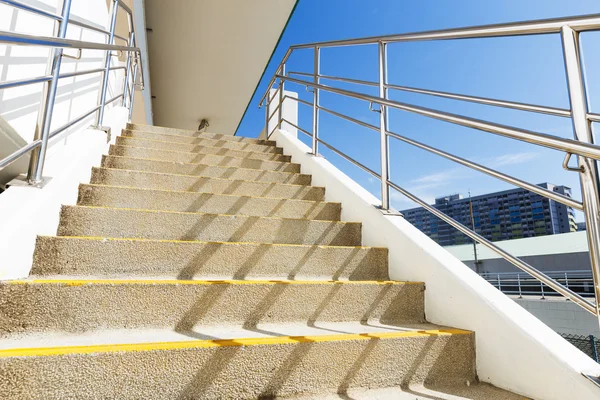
[208,171]
[248,372]
[181,260]
[106,222]
[63,307]
[206,202]
[206,159]
[191,140]
[136,179]
[182,132]
[199,149]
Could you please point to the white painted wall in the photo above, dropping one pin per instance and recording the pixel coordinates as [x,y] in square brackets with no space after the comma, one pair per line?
[289,111]
[515,350]
[561,315]
[26,212]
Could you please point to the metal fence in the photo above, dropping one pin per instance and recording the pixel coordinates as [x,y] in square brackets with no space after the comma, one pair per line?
[39,146]
[581,146]
[590,344]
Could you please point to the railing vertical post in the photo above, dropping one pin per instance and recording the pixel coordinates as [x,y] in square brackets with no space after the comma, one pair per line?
[42,131]
[135,74]
[315,127]
[519,285]
[384,149]
[583,132]
[594,350]
[499,283]
[566,280]
[107,60]
[281,89]
[542,290]
[127,70]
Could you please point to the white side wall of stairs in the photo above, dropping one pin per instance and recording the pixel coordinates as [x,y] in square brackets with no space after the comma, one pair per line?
[515,350]
[26,212]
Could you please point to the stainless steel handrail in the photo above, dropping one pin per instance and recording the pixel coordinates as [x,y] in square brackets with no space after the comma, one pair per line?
[42,79]
[545,26]
[541,139]
[559,112]
[43,134]
[582,145]
[56,17]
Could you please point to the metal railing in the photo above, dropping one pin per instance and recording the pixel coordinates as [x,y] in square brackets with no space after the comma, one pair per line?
[522,284]
[582,145]
[39,146]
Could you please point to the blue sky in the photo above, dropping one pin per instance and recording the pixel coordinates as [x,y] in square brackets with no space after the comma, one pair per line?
[525,69]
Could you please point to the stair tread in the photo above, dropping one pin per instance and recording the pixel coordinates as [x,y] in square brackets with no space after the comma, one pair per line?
[208,214]
[107,158]
[192,176]
[199,154]
[261,334]
[166,137]
[187,132]
[473,391]
[198,148]
[176,259]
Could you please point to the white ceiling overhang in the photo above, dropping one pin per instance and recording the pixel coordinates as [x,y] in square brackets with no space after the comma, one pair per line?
[207,57]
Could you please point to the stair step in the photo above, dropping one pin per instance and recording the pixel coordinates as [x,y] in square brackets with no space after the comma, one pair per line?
[208,159]
[184,132]
[185,201]
[127,223]
[209,171]
[199,149]
[84,305]
[154,180]
[470,391]
[203,140]
[245,368]
[119,258]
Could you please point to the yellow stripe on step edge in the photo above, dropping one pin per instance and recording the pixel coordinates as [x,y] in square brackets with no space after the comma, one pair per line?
[83,282]
[203,344]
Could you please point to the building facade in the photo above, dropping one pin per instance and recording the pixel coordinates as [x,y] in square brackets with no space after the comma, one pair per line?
[510,214]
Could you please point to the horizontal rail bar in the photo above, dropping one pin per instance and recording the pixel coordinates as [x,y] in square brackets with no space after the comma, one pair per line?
[545,26]
[274,111]
[46,78]
[274,129]
[496,174]
[125,7]
[30,146]
[56,17]
[335,78]
[348,158]
[71,123]
[585,304]
[559,112]
[338,152]
[44,41]
[19,153]
[541,139]
[356,121]
[297,127]
[113,99]
[594,117]
[24,82]
[308,103]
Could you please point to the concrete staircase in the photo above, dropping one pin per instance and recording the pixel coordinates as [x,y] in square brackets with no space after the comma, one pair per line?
[205,266]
